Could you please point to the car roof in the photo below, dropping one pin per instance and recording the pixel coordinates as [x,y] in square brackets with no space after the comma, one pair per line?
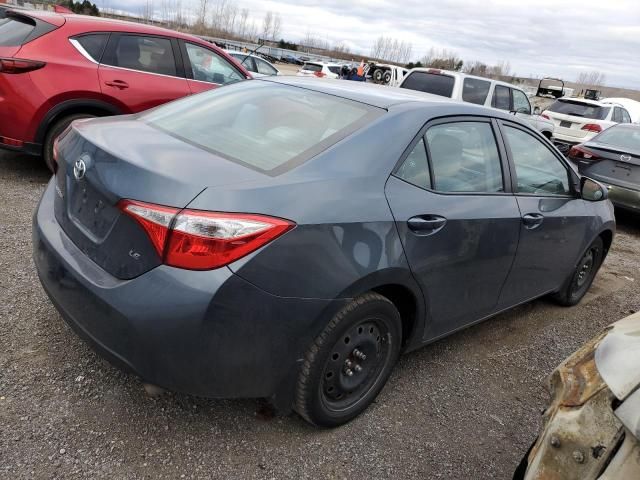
[381,96]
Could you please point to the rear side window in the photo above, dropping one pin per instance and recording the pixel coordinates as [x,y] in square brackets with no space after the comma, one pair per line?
[626,118]
[501,98]
[464,158]
[475,90]
[579,109]
[14,31]
[415,168]
[262,125]
[312,67]
[430,83]
[617,115]
[146,54]
[93,44]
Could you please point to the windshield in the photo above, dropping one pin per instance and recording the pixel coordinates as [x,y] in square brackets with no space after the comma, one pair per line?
[579,109]
[434,83]
[262,125]
[625,138]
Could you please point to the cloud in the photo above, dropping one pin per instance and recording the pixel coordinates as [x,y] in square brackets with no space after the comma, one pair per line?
[541,37]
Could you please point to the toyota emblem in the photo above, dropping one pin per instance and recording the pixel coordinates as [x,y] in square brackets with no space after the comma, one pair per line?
[79,169]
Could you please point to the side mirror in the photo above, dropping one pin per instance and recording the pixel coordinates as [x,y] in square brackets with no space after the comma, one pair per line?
[592,191]
[537,111]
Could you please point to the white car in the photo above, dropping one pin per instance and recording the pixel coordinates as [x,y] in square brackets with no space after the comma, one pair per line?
[632,106]
[479,90]
[320,69]
[578,120]
[258,66]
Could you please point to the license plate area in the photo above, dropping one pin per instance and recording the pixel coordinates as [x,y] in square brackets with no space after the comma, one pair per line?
[88,209]
[565,124]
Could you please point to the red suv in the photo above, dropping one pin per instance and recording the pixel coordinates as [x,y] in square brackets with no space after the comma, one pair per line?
[56,68]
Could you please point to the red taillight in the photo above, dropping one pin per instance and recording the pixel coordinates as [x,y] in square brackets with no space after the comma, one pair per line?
[582,153]
[544,115]
[198,240]
[320,74]
[592,127]
[16,65]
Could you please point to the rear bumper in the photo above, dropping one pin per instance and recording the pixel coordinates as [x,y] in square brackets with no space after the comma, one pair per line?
[206,333]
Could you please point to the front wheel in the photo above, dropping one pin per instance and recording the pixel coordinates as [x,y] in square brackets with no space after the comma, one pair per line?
[349,363]
[582,276]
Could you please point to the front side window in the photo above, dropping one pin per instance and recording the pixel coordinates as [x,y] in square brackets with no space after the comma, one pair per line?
[475,90]
[538,170]
[264,68]
[207,66]
[464,158]
[501,98]
[521,102]
[146,54]
[262,125]
[415,168]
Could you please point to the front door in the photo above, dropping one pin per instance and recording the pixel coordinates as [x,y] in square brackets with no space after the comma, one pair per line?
[141,72]
[458,223]
[554,220]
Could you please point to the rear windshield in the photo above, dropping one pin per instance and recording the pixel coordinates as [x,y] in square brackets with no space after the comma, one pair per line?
[625,138]
[579,109]
[14,31]
[266,126]
[434,83]
[313,67]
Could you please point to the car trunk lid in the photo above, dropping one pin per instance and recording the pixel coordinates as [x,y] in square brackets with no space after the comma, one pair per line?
[613,165]
[103,161]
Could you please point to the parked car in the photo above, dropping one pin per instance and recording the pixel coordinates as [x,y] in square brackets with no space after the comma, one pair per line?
[613,158]
[292,59]
[320,69]
[55,68]
[203,276]
[631,106]
[592,426]
[258,66]
[578,120]
[478,90]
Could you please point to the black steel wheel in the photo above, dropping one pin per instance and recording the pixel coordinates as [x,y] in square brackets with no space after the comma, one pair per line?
[582,276]
[349,362]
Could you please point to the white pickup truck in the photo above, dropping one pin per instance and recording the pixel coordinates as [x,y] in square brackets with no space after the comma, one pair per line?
[478,90]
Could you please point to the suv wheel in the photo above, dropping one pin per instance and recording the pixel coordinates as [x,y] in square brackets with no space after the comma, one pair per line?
[56,129]
[349,363]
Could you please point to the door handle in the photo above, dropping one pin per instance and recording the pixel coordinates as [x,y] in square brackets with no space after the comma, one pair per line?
[119,84]
[426,224]
[532,220]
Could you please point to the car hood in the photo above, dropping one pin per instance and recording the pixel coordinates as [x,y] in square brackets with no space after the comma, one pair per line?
[618,356]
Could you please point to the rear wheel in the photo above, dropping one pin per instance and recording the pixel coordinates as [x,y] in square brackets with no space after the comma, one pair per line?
[349,363]
[583,275]
[56,129]
[386,78]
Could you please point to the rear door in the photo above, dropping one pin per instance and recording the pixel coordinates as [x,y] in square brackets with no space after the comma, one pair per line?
[206,69]
[553,219]
[458,222]
[142,71]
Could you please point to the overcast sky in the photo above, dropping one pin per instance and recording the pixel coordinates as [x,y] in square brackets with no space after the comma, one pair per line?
[557,38]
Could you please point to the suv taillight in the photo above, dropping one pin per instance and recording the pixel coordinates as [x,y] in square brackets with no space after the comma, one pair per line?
[199,240]
[592,127]
[16,65]
[320,74]
[582,153]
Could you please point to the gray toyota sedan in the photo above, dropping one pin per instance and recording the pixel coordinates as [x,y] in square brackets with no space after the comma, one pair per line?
[288,238]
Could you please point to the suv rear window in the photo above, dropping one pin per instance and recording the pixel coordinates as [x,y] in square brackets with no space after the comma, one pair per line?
[312,67]
[434,83]
[265,126]
[14,31]
[579,109]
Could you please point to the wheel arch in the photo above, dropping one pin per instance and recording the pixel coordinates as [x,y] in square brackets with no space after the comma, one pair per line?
[607,240]
[98,108]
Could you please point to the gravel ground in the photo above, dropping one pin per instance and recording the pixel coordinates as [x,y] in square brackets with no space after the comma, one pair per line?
[465,407]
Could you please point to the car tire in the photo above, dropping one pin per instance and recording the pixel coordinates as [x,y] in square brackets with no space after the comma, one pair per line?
[386,78]
[56,129]
[348,364]
[377,75]
[582,276]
